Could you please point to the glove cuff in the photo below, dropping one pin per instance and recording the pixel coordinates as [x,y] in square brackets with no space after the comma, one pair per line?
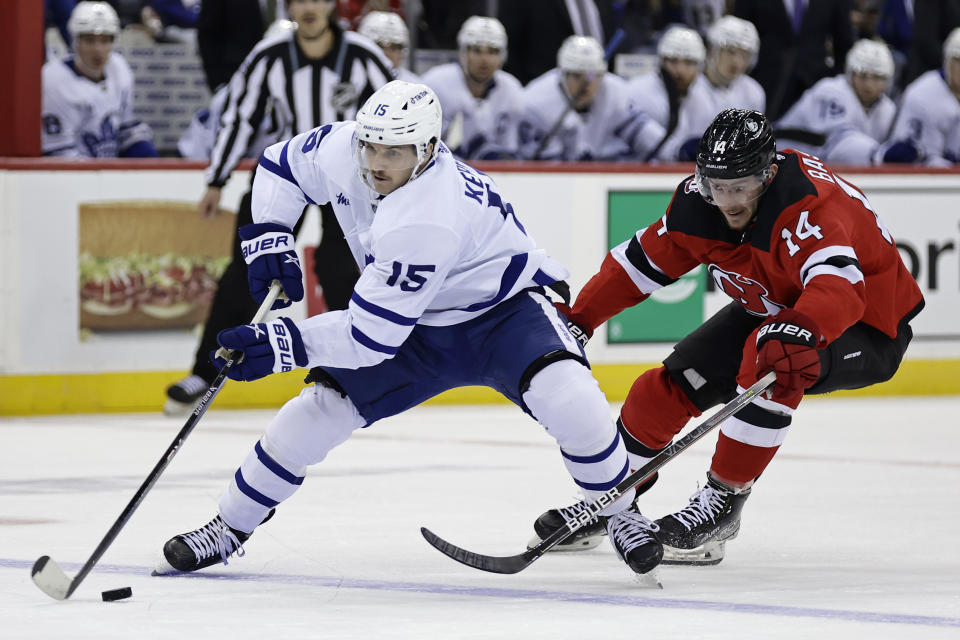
[792,327]
[251,231]
[298,348]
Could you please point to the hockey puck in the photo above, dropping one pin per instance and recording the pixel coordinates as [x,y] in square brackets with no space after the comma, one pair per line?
[116,594]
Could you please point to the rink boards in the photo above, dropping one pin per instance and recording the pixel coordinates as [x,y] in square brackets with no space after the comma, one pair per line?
[58,354]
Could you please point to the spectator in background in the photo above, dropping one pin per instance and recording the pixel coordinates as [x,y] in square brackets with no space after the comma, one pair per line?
[440,20]
[318,74]
[662,96]
[851,111]
[88,97]
[700,14]
[56,13]
[352,12]
[732,52]
[390,32]
[481,102]
[537,29]
[579,111]
[927,129]
[797,47]
[227,31]
[933,20]
[170,20]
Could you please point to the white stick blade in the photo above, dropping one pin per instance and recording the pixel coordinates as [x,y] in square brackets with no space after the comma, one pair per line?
[51,579]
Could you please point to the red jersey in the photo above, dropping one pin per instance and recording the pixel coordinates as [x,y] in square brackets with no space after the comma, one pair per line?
[815,245]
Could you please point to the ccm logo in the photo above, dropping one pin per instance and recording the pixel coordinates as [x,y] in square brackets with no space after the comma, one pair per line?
[265,244]
[785,328]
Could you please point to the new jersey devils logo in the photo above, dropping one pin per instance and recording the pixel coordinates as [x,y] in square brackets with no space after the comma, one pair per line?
[751,294]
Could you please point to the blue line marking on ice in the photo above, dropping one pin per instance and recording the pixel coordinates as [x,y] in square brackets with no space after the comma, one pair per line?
[525,594]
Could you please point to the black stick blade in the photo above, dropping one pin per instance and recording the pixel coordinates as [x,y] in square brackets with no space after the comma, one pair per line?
[493,564]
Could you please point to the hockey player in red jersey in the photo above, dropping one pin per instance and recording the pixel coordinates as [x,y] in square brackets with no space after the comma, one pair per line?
[820,295]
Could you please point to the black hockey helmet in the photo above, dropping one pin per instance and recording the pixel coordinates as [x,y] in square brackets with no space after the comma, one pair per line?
[737,144]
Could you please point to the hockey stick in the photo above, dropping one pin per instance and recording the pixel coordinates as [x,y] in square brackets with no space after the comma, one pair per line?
[47,574]
[519,562]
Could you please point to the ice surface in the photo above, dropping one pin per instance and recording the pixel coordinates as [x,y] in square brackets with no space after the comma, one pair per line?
[851,533]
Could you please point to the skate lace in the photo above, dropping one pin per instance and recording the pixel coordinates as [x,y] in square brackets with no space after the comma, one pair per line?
[214,537]
[630,529]
[193,384]
[574,510]
[704,506]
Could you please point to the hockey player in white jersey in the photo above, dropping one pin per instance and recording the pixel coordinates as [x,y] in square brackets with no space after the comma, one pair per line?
[88,96]
[579,111]
[927,129]
[481,102]
[851,110]
[451,294]
[732,47]
[390,32]
[662,97]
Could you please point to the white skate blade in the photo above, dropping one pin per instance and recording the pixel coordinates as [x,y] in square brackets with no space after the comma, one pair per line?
[580,545]
[705,555]
[650,579]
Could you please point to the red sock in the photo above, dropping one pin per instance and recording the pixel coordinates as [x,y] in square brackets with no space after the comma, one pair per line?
[739,463]
[656,409]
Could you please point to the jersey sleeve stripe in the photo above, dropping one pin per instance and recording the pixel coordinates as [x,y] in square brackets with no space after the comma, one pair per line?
[837,260]
[372,344]
[380,312]
[641,270]
[507,282]
[286,174]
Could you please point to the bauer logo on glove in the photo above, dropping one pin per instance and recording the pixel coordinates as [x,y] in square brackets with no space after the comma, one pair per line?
[269,252]
[270,347]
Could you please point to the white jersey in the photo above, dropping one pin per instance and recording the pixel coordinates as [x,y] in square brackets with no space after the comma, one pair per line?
[831,107]
[648,96]
[440,250]
[608,130]
[930,116]
[402,73]
[489,124]
[87,119]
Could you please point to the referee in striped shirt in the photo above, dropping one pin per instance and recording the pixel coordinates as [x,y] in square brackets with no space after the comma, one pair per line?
[300,79]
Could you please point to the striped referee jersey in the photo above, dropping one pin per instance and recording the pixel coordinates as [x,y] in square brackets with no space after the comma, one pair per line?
[277,81]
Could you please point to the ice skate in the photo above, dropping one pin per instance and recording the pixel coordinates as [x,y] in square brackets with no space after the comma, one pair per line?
[634,538]
[212,543]
[586,537]
[697,534]
[182,396]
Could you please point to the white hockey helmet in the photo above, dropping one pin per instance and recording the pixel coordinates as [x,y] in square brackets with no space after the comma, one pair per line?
[97,18]
[581,54]
[870,56]
[385,27]
[682,43]
[480,31]
[951,46]
[280,26]
[399,114]
[731,31]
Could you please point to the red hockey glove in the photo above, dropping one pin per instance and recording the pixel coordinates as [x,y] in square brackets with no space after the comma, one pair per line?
[787,344]
[580,331]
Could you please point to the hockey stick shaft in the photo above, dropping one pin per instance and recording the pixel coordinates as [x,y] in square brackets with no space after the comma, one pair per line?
[47,575]
[519,562]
